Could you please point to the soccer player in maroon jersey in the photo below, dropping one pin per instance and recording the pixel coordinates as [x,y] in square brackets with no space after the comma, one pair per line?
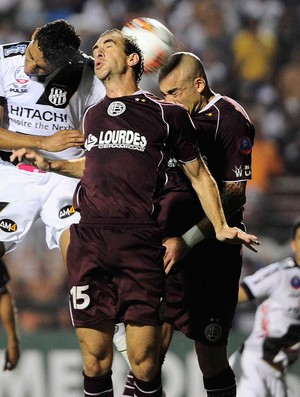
[225,136]
[115,256]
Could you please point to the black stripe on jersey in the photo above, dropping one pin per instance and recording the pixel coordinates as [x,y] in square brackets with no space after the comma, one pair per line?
[66,81]
[272,346]
[13,49]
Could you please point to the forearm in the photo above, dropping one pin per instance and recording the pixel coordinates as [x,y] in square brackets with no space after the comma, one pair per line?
[8,314]
[208,194]
[72,168]
[232,198]
[10,140]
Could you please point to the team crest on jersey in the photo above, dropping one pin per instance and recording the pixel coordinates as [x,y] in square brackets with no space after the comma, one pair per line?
[172,163]
[8,226]
[116,108]
[58,96]
[20,76]
[295,282]
[213,332]
[245,145]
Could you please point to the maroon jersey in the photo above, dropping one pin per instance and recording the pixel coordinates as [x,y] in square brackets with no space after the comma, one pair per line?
[128,142]
[225,137]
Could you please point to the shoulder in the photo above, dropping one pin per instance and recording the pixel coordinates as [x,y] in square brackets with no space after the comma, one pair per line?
[13,49]
[233,117]
[230,108]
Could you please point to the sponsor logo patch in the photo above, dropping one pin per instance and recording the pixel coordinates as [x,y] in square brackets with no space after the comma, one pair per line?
[15,49]
[66,211]
[245,145]
[295,282]
[20,75]
[8,226]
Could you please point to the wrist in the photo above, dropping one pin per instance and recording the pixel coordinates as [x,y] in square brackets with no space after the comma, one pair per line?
[193,236]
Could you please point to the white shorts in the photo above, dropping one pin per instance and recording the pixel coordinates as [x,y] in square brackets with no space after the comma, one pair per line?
[28,194]
[258,378]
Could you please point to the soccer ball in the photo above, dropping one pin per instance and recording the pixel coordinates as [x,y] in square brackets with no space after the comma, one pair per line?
[155,40]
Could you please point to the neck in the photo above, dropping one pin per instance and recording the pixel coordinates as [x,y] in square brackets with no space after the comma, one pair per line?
[205,99]
[121,86]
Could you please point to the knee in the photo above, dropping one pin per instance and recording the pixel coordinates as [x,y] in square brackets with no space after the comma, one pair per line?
[95,366]
[145,368]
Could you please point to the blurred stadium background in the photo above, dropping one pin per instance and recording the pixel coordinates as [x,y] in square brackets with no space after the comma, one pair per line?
[251,51]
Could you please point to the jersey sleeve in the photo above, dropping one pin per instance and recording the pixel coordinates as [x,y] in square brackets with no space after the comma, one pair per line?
[237,140]
[262,282]
[185,147]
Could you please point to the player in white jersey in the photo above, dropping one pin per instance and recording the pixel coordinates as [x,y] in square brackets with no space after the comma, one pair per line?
[273,343]
[45,86]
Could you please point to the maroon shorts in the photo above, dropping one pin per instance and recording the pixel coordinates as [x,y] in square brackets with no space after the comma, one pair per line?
[202,291]
[116,273]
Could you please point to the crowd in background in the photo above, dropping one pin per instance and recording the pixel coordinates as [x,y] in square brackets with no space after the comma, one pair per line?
[251,52]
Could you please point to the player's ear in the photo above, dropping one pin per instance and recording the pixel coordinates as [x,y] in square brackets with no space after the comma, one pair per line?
[200,84]
[133,59]
[34,33]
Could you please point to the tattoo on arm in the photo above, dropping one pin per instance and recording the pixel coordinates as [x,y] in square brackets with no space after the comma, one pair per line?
[233,196]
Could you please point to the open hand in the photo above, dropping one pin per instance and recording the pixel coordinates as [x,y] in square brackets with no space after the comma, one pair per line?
[31,156]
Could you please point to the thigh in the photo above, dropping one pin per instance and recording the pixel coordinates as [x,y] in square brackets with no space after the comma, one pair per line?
[138,273]
[93,296]
[20,202]
[211,289]
[58,212]
[119,272]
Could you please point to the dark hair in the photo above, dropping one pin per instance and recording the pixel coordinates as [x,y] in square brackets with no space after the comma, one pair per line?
[130,46]
[173,61]
[169,65]
[58,41]
[295,227]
